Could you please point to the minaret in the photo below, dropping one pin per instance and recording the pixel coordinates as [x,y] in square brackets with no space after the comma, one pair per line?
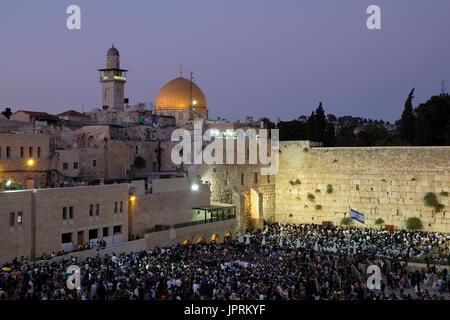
[113,81]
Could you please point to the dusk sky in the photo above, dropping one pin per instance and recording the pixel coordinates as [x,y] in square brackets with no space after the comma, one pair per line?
[260,58]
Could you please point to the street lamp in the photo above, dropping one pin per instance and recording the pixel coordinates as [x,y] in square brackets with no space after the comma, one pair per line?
[30,162]
[194,187]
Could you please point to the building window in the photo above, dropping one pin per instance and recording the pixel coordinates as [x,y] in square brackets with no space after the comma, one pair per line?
[268,179]
[30,151]
[75,165]
[93,234]
[255,177]
[0,152]
[19,217]
[357,187]
[117,230]
[115,207]
[70,212]
[242,179]
[97,209]
[121,206]
[105,232]
[22,152]
[8,152]
[65,166]
[66,238]
[39,152]
[64,213]
[91,210]
[94,163]
[11,219]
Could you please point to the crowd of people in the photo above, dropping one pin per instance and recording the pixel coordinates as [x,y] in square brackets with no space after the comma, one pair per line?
[398,244]
[98,245]
[279,262]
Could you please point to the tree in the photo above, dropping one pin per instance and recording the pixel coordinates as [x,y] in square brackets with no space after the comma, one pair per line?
[374,135]
[329,138]
[292,130]
[310,126]
[432,127]
[267,123]
[346,137]
[319,124]
[7,113]
[331,118]
[407,123]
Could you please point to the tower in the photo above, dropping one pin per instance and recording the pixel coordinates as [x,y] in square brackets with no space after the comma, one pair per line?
[113,80]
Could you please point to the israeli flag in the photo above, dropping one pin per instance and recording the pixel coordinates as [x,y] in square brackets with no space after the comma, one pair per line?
[355,215]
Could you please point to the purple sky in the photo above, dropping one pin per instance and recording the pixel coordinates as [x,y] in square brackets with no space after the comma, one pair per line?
[274,58]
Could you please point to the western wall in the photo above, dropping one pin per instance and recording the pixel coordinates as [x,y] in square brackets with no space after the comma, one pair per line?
[321,184]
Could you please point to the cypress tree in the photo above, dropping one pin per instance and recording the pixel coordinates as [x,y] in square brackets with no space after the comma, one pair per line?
[408,120]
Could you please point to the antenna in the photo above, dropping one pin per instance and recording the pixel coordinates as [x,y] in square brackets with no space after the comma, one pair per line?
[190,89]
[443,90]
[181,71]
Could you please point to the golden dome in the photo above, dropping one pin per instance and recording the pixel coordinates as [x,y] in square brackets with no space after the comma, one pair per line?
[175,95]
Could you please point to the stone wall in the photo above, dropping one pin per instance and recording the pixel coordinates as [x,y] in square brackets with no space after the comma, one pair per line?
[226,179]
[166,207]
[381,182]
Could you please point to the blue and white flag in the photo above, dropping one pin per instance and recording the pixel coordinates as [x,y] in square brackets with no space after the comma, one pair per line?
[355,215]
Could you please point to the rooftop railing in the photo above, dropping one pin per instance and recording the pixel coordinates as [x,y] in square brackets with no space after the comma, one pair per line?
[190,223]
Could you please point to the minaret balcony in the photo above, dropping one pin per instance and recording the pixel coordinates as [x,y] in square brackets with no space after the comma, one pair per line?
[117,78]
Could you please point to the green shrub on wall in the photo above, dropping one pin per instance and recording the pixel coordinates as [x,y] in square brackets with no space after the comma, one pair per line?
[294,183]
[345,221]
[311,197]
[317,190]
[430,200]
[379,221]
[329,188]
[413,223]
[318,207]
[444,193]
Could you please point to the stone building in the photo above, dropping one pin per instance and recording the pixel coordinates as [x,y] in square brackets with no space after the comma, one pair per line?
[42,221]
[34,117]
[24,158]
